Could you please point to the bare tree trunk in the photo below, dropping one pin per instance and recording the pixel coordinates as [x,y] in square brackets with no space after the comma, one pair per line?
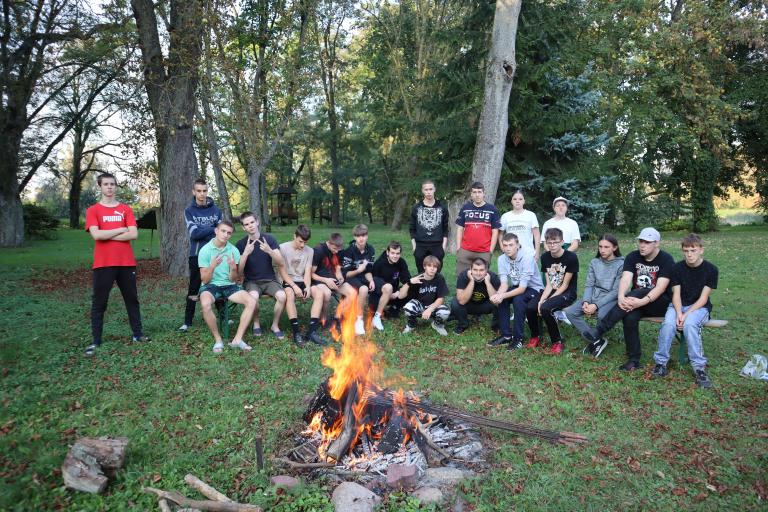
[494,121]
[171,84]
[454,204]
[398,214]
[213,142]
[11,212]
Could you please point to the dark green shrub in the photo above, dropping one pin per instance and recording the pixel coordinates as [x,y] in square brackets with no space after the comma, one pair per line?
[39,222]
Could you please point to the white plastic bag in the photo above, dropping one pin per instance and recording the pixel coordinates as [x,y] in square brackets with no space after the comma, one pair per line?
[757,368]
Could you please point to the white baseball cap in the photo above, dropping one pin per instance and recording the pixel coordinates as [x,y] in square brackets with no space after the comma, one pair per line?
[649,235]
[560,198]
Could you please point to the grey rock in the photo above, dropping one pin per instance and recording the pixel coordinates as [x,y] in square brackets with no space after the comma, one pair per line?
[286,481]
[400,476]
[428,495]
[352,497]
[444,477]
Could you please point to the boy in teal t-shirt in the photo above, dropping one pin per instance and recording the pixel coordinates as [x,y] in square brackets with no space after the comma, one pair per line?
[219,274]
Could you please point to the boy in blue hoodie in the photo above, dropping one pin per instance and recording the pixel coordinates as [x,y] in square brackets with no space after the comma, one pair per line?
[201,216]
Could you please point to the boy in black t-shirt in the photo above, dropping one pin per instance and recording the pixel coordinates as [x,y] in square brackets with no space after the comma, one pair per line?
[561,269]
[390,271]
[692,282]
[474,289]
[357,267]
[327,278]
[427,292]
[642,292]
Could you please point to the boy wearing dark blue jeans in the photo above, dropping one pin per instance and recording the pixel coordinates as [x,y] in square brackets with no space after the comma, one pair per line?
[692,282]
[520,284]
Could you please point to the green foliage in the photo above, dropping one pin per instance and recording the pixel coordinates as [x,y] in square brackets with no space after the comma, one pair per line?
[39,222]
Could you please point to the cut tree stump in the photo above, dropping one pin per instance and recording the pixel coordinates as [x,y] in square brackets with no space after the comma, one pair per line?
[91,460]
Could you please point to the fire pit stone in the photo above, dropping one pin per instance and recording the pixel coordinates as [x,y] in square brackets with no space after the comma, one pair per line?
[402,476]
[352,497]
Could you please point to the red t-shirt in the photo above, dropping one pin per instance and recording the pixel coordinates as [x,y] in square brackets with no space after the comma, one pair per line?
[111,253]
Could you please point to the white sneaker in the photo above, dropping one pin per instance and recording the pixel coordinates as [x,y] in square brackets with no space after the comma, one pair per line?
[184,328]
[377,322]
[359,327]
[439,328]
[218,347]
[241,345]
[407,329]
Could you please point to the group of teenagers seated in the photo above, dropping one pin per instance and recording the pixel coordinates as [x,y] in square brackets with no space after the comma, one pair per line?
[533,284]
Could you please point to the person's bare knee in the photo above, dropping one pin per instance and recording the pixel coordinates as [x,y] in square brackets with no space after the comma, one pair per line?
[280,297]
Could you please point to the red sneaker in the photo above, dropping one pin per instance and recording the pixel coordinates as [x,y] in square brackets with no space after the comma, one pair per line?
[533,342]
[556,348]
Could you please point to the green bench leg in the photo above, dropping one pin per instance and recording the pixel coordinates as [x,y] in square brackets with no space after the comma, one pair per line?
[223,317]
[682,354]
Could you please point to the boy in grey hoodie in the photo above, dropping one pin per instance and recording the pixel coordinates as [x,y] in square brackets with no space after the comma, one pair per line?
[600,291]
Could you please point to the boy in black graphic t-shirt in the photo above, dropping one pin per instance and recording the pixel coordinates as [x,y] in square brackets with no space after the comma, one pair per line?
[473,295]
[642,292]
[561,269]
[692,282]
[427,292]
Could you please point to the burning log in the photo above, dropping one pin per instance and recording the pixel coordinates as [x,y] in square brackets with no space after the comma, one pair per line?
[432,457]
[421,431]
[393,433]
[323,402]
[340,446]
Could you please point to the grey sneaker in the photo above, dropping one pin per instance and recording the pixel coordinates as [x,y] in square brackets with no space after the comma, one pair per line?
[660,371]
[141,339]
[440,328]
[183,328]
[702,379]
[408,328]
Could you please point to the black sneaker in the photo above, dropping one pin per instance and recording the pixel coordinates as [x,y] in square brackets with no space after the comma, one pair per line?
[591,335]
[660,370]
[298,339]
[599,346]
[459,329]
[630,366]
[702,379]
[91,349]
[501,340]
[589,350]
[515,345]
[317,339]
[141,339]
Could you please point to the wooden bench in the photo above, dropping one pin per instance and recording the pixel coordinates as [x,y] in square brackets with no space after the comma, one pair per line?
[683,348]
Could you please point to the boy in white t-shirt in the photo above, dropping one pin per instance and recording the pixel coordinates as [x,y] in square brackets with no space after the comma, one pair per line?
[571,234]
[522,223]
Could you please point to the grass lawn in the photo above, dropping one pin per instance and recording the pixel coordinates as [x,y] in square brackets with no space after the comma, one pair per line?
[654,445]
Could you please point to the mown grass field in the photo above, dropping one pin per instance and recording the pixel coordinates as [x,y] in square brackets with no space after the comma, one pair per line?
[654,445]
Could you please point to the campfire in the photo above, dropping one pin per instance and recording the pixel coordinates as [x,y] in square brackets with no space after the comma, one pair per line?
[358,424]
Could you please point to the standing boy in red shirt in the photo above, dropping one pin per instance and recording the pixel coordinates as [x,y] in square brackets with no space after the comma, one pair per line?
[113,226]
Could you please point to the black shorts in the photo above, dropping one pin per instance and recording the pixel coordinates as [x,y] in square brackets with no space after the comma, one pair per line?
[300,284]
[357,282]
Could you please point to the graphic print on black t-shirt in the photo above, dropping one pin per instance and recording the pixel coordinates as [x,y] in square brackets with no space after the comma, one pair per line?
[480,291]
[646,274]
[429,291]
[325,261]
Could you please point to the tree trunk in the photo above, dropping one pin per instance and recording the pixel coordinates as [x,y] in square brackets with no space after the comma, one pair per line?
[454,205]
[492,129]
[213,151]
[398,214]
[11,212]
[171,84]
[75,188]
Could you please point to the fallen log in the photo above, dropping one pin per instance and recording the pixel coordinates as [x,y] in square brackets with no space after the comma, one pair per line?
[205,489]
[83,474]
[213,506]
[90,461]
[164,506]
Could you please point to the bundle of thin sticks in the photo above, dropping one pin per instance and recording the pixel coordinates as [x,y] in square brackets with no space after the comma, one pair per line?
[388,399]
